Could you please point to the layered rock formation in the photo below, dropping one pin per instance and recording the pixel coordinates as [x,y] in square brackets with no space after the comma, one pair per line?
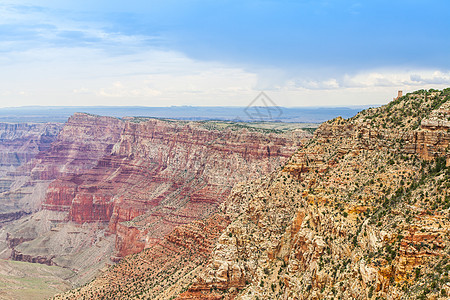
[433,139]
[120,186]
[359,213]
[19,144]
[160,272]
[83,140]
[160,175]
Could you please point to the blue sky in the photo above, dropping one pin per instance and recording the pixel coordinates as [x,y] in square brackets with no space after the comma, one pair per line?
[162,53]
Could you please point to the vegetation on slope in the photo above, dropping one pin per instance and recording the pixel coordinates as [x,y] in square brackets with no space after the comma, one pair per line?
[361,212]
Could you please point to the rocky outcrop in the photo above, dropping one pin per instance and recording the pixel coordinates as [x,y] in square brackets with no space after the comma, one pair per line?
[83,140]
[160,175]
[433,138]
[19,145]
[31,259]
[359,213]
[151,274]
[415,249]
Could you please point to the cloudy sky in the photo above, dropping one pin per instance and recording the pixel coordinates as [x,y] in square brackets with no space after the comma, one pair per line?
[202,52]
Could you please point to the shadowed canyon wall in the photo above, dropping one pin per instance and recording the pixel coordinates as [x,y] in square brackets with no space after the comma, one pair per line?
[19,144]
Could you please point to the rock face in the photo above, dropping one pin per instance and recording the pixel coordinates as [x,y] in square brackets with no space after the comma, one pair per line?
[120,186]
[160,175]
[433,138]
[19,144]
[151,274]
[361,212]
[83,140]
[75,148]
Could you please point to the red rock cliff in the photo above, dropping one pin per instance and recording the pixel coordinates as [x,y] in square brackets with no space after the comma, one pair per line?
[433,138]
[83,140]
[158,175]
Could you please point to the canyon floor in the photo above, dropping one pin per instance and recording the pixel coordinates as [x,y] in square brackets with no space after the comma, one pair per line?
[21,280]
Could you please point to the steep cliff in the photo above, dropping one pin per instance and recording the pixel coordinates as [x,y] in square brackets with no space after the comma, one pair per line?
[432,140]
[361,212]
[83,140]
[19,144]
[123,185]
[70,149]
[162,174]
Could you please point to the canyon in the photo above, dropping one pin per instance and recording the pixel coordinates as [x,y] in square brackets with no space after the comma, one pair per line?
[112,187]
[360,211]
[141,208]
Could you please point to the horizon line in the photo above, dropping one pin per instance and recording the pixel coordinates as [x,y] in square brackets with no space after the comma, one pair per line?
[193,106]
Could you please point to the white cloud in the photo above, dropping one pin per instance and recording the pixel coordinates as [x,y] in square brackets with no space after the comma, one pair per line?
[80,76]
[54,68]
[436,77]
[374,79]
[119,90]
[83,76]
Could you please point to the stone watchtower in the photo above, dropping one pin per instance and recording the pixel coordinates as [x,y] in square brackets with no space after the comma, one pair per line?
[399,94]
